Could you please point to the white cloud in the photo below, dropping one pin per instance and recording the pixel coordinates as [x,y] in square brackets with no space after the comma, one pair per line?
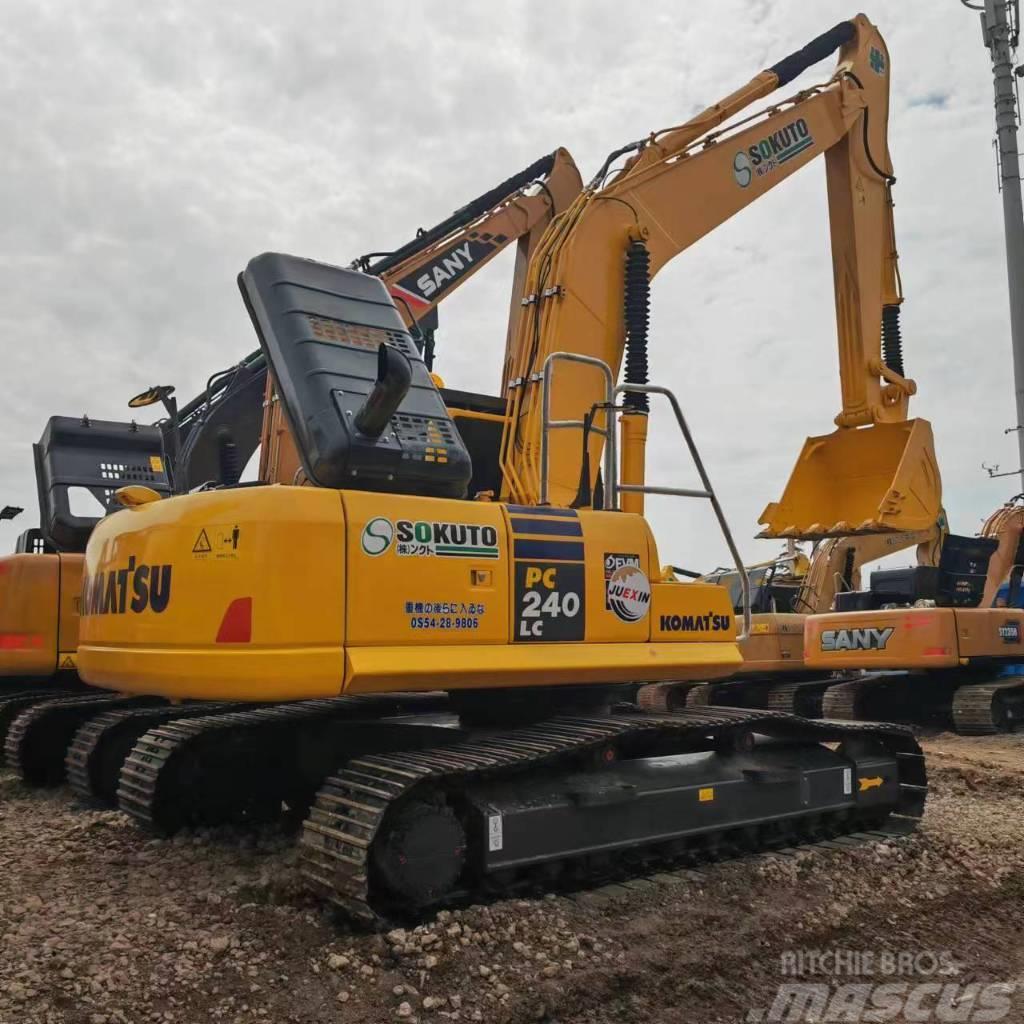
[149,152]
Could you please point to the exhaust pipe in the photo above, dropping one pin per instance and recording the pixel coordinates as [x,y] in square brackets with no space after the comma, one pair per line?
[394,375]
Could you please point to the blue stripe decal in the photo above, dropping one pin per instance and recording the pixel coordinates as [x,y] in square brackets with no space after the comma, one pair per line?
[549,550]
[542,510]
[548,527]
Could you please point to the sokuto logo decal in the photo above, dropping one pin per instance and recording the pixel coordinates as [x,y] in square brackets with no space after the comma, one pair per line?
[446,540]
[629,593]
[377,536]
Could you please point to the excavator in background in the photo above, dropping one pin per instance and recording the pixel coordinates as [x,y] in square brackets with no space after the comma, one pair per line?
[784,592]
[940,644]
[41,582]
[342,608]
[208,441]
[929,644]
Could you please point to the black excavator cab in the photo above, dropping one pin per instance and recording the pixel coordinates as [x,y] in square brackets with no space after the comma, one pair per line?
[958,581]
[97,457]
[362,407]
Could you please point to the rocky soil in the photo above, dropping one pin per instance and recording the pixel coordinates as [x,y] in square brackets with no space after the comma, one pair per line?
[101,925]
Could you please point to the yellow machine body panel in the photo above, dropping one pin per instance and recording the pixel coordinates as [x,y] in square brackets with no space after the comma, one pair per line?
[233,594]
[285,593]
[874,479]
[38,614]
[775,643]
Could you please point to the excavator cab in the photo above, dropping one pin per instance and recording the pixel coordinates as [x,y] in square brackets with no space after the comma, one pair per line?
[882,478]
[774,586]
[76,458]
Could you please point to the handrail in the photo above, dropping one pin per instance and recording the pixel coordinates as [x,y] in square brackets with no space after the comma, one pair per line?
[613,488]
[547,423]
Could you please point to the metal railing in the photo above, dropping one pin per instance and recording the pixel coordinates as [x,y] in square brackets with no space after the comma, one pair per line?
[613,488]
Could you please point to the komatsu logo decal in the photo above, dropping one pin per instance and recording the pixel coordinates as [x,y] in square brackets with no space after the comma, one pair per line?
[426,285]
[446,540]
[135,588]
[867,639]
[772,151]
[710,623]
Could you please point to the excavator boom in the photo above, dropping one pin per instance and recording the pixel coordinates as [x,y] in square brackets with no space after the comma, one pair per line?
[877,472]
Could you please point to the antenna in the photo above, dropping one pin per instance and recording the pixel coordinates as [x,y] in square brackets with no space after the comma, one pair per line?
[999,31]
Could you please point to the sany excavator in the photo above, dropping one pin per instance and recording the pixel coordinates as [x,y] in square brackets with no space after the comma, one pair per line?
[784,592]
[929,642]
[337,611]
[209,440]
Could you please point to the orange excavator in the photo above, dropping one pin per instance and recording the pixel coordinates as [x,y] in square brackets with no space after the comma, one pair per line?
[784,593]
[930,645]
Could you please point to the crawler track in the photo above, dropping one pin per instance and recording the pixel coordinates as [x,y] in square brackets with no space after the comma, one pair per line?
[102,744]
[38,737]
[242,766]
[347,830]
[987,708]
[13,702]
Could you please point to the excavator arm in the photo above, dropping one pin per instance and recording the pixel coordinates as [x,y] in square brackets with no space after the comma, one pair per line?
[587,287]
[438,260]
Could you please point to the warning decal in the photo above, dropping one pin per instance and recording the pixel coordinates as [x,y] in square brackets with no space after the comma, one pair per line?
[202,544]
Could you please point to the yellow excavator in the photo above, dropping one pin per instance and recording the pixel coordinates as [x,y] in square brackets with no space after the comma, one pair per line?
[514,573]
[209,440]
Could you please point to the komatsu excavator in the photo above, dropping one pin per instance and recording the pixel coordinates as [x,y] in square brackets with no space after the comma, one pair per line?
[337,611]
[209,440]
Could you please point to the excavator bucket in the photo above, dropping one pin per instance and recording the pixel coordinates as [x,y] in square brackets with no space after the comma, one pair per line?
[878,479]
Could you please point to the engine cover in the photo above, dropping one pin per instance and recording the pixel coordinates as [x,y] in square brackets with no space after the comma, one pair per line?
[321,328]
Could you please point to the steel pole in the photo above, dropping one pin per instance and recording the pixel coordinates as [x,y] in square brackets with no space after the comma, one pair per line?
[996,33]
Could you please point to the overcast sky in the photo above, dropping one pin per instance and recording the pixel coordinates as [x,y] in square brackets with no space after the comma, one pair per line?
[149,150]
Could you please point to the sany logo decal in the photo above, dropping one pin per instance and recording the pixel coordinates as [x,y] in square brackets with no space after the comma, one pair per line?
[426,284]
[868,639]
[377,536]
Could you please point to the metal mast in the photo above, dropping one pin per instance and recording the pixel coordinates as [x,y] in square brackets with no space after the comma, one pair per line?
[999,25]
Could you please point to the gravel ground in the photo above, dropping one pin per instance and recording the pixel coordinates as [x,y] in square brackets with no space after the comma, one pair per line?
[101,925]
